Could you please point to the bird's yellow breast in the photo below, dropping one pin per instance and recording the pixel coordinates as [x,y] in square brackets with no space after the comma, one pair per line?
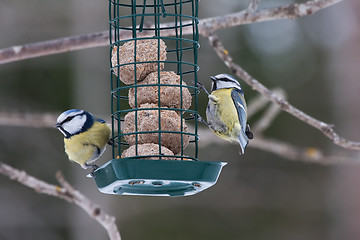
[81,147]
[227,113]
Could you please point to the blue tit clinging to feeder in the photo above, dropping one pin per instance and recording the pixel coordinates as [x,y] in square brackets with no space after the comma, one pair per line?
[226,112]
[85,136]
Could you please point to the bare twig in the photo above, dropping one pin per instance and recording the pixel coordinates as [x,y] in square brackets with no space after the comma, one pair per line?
[277,147]
[66,192]
[284,149]
[94,210]
[254,105]
[49,47]
[100,39]
[303,154]
[16,118]
[27,119]
[270,114]
[291,11]
[34,183]
[253,6]
[326,129]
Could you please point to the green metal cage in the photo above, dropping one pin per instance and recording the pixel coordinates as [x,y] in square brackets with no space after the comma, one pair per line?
[139,29]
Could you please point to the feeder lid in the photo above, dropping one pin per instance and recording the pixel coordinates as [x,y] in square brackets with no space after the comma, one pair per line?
[156,177]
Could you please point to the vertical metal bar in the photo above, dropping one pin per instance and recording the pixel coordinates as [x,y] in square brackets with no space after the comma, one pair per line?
[195,23]
[111,76]
[118,93]
[158,35]
[134,34]
[181,79]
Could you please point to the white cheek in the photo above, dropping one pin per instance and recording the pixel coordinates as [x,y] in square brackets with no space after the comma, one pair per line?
[70,128]
[75,125]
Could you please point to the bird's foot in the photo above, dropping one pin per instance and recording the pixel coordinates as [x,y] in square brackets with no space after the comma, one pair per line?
[112,142]
[248,133]
[93,166]
[200,86]
[200,119]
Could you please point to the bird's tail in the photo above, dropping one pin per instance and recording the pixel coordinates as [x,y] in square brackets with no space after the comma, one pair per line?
[243,141]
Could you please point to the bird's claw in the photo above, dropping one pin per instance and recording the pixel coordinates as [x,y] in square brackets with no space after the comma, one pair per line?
[94,168]
[199,118]
[248,133]
[200,87]
[112,142]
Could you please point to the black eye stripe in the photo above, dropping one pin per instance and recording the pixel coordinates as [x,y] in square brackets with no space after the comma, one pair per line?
[225,80]
[228,80]
[68,119]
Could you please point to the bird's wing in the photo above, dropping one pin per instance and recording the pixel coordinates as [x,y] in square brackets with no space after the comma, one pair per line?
[97,119]
[240,106]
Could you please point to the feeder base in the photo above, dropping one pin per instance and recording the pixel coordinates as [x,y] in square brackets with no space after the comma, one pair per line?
[156,177]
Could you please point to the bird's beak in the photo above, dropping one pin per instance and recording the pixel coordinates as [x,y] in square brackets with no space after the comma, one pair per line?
[213,78]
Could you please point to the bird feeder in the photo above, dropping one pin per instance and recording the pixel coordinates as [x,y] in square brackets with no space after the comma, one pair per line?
[153,55]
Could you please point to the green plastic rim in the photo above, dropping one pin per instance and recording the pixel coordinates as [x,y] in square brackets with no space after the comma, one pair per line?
[156,177]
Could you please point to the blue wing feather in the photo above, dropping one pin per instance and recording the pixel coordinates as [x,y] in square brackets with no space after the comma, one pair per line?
[240,105]
[100,120]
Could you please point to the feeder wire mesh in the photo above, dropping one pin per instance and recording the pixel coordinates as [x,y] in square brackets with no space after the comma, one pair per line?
[139,31]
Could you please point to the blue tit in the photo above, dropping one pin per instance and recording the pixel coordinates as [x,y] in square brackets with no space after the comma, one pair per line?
[85,135]
[226,112]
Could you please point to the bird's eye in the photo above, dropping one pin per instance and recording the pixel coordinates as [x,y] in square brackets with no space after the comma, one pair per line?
[68,119]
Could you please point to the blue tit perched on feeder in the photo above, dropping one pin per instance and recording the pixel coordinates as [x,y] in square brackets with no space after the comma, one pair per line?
[85,136]
[226,112]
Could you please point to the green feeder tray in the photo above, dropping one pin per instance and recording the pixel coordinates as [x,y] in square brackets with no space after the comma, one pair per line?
[156,177]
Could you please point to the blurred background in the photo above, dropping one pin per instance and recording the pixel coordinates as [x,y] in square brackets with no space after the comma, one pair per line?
[258,196]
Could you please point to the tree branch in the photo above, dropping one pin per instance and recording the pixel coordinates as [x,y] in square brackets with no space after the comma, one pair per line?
[303,154]
[291,11]
[285,150]
[270,114]
[27,119]
[100,39]
[66,192]
[326,129]
[253,5]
